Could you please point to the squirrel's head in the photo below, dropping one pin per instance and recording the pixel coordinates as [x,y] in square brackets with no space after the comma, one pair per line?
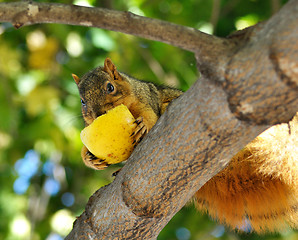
[101,89]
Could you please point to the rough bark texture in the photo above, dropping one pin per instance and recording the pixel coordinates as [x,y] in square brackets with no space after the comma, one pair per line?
[248,83]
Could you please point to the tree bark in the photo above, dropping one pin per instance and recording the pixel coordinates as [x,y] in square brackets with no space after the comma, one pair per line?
[249,82]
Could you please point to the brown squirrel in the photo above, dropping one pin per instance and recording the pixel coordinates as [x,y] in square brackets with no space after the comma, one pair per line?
[259,186]
[105,88]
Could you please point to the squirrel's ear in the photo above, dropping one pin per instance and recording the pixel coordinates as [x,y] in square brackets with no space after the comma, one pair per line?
[111,69]
[76,78]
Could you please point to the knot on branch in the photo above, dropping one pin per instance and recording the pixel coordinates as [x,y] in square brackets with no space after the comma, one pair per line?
[23,17]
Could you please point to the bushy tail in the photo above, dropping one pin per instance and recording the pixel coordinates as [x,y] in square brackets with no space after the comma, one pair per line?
[259,188]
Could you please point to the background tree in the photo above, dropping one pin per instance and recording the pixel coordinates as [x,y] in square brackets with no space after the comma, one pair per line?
[43,101]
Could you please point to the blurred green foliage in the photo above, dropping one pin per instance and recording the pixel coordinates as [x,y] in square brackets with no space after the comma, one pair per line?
[44,183]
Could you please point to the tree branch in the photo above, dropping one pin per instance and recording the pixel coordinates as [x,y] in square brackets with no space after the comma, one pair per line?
[28,13]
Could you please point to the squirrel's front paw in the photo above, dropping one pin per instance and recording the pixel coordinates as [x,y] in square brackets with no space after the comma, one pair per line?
[139,132]
[92,161]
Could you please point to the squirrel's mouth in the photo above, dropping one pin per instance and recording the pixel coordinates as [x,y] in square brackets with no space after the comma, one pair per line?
[89,119]
[103,113]
[96,114]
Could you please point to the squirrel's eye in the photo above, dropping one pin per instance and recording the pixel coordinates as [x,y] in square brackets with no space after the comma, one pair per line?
[83,102]
[110,87]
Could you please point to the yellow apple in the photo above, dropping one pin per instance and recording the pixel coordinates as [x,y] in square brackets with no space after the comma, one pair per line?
[108,137]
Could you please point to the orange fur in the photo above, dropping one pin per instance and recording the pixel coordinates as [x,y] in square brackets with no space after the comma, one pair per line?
[260,185]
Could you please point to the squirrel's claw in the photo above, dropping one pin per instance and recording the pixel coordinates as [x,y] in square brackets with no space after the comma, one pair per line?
[139,132]
[92,161]
[90,156]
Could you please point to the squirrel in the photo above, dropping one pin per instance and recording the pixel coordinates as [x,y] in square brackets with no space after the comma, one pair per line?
[105,88]
[258,188]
